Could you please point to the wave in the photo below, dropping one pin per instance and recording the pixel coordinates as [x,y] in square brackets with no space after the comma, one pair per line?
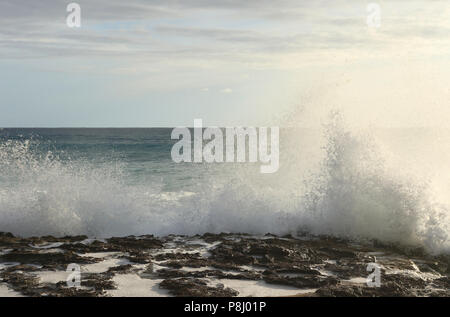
[359,195]
[350,191]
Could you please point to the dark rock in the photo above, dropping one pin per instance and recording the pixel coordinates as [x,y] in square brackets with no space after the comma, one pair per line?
[218,274]
[299,281]
[177,256]
[194,287]
[392,285]
[6,235]
[121,269]
[335,253]
[138,257]
[442,282]
[136,243]
[48,260]
[52,239]
[98,282]
[284,261]
[95,246]
[20,282]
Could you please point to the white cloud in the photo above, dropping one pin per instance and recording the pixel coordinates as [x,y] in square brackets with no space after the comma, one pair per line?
[156,31]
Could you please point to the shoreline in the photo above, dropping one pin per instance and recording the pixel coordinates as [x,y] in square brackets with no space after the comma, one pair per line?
[217,265]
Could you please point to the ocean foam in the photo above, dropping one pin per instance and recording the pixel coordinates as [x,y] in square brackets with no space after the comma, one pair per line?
[349,189]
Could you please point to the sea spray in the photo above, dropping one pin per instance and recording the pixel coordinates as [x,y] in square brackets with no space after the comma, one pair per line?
[339,184]
[355,195]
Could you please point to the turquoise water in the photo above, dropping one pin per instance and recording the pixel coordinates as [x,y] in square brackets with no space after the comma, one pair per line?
[143,154]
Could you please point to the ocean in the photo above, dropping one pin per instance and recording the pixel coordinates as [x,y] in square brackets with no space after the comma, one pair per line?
[389,185]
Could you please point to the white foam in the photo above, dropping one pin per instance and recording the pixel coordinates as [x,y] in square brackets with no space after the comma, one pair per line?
[247,288]
[52,276]
[5,291]
[103,266]
[131,285]
[47,246]
[5,265]
[348,186]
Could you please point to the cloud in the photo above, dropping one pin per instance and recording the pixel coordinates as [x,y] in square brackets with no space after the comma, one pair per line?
[251,32]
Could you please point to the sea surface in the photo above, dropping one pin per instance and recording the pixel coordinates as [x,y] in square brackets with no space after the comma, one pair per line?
[391,185]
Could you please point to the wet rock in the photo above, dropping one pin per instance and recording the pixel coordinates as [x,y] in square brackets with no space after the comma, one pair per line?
[174,264]
[335,253]
[20,282]
[295,269]
[23,268]
[95,246]
[195,287]
[52,239]
[98,282]
[427,267]
[192,263]
[391,285]
[62,291]
[443,281]
[207,273]
[120,269]
[224,266]
[442,263]
[402,281]
[299,281]
[138,257]
[177,256]
[398,263]
[212,237]
[325,263]
[347,269]
[9,240]
[4,235]
[271,252]
[47,260]
[342,291]
[231,255]
[135,243]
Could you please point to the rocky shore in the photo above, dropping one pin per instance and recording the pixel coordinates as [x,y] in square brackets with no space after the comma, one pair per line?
[215,265]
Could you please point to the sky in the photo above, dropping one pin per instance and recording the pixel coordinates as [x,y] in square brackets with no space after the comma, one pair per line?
[149,63]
